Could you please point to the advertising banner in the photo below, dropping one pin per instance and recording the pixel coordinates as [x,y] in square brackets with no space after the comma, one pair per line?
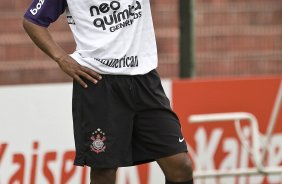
[216,145]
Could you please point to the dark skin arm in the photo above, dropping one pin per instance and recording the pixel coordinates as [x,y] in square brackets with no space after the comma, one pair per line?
[43,39]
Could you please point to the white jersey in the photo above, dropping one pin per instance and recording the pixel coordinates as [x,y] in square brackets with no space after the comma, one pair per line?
[112,36]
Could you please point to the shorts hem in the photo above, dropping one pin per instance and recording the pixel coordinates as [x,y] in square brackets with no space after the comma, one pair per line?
[144,161]
[129,164]
[81,164]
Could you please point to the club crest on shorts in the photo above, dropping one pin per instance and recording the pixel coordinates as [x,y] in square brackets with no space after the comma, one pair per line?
[98,141]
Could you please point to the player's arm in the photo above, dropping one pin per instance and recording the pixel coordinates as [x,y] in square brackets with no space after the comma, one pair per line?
[43,39]
[36,21]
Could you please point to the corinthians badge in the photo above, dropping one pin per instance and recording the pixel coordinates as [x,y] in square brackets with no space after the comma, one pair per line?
[98,137]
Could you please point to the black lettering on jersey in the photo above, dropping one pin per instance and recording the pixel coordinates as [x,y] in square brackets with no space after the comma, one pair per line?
[118,18]
[124,62]
[104,8]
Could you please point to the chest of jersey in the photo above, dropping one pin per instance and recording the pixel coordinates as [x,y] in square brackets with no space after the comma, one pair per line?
[108,16]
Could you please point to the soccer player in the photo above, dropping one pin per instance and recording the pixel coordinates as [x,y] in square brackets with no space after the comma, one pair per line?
[121,114]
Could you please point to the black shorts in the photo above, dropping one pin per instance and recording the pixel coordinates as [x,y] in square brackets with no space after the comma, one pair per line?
[124,121]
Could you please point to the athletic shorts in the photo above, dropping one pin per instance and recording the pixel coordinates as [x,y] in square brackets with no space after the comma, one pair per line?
[124,121]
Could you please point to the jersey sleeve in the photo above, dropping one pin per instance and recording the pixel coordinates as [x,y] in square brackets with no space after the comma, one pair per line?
[44,12]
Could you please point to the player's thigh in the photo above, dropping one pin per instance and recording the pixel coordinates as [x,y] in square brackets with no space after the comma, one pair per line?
[178,166]
[103,175]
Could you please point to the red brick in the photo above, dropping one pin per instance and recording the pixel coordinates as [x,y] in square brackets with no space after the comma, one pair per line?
[233,38]
[7,5]
[168,70]
[16,47]
[32,72]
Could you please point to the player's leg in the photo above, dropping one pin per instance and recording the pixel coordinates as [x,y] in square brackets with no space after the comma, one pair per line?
[177,169]
[157,132]
[103,176]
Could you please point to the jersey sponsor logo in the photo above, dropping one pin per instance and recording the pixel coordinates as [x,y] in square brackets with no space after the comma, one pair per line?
[37,7]
[118,18]
[124,62]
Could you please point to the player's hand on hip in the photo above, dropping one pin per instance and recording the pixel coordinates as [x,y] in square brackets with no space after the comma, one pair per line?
[76,71]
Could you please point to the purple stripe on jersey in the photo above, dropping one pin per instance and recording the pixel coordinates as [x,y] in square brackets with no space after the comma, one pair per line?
[44,12]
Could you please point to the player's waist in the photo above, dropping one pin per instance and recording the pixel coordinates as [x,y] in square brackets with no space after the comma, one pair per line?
[126,65]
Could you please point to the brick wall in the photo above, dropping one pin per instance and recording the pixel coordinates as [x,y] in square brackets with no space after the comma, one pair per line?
[233,38]
[239,37]
[21,61]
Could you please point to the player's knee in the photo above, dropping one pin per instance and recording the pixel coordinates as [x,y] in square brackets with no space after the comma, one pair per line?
[101,176]
[183,172]
[189,169]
